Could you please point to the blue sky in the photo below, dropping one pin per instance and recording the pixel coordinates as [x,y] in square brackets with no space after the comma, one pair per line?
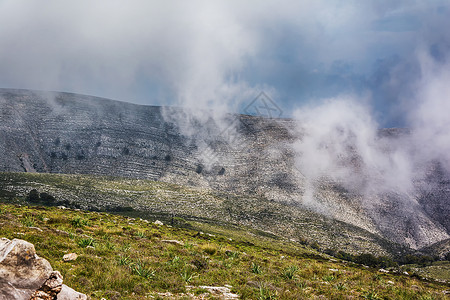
[221,54]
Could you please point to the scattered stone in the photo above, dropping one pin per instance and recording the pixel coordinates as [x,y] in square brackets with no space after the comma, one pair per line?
[390,282]
[406,273]
[36,228]
[172,242]
[70,257]
[68,293]
[383,270]
[158,222]
[61,207]
[333,270]
[62,232]
[220,291]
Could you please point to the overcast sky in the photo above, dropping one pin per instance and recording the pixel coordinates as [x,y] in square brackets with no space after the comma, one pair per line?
[221,54]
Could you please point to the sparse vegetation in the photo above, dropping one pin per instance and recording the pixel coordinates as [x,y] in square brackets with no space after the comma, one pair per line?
[255,268]
[289,272]
[86,242]
[124,257]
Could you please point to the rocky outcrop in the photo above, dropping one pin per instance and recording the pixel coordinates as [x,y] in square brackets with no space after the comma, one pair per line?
[24,275]
[50,289]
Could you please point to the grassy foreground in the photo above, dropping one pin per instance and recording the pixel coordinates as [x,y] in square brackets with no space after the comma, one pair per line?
[125,258]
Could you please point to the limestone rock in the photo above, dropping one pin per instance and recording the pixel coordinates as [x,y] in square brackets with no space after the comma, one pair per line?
[175,242]
[70,256]
[21,271]
[220,291]
[50,289]
[26,276]
[68,293]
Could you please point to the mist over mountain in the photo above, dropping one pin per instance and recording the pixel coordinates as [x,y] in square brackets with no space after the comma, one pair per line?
[383,181]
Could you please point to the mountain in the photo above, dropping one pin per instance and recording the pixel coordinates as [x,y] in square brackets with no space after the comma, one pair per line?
[251,157]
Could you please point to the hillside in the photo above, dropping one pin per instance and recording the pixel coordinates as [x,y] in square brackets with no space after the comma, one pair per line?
[131,258]
[49,132]
[158,200]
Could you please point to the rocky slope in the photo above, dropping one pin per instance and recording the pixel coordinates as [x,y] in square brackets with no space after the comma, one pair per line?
[69,133]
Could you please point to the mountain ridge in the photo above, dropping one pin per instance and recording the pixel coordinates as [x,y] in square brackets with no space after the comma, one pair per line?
[54,132]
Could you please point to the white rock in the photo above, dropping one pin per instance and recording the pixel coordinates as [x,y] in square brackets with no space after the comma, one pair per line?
[70,256]
[68,293]
[221,291]
[172,242]
[21,271]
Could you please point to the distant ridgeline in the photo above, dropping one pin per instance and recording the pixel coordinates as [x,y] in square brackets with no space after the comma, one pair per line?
[75,134]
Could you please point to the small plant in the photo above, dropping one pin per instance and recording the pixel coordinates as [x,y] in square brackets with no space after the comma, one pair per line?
[140,268]
[140,234]
[371,295]
[29,221]
[110,246]
[328,278]
[340,286]
[175,260]
[232,254]
[265,293]
[200,263]
[78,222]
[126,247]
[209,249]
[289,272]
[226,264]
[187,274]
[426,297]
[302,284]
[124,260]
[255,268]
[188,245]
[85,242]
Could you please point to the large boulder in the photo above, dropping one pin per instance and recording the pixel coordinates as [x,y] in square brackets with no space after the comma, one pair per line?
[21,271]
[25,276]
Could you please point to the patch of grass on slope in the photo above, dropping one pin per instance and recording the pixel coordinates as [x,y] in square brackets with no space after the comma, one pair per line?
[150,199]
[125,258]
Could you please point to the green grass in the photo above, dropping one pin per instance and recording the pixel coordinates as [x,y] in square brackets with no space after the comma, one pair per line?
[124,258]
[289,272]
